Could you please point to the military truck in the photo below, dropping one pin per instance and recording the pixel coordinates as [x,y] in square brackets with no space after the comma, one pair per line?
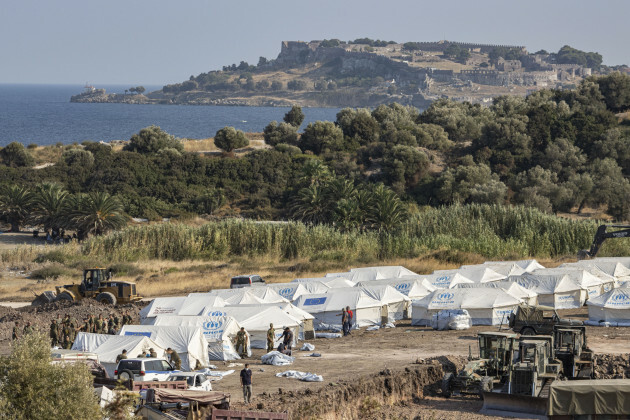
[97,284]
[571,349]
[529,378]
[488,371]
[537,320]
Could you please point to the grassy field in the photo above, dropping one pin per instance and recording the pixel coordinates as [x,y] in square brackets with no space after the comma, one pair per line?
[174,259]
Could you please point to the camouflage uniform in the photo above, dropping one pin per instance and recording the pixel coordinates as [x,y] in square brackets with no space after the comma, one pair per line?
[271,337]
[14,334]
[54,333]
[241,342]
[175,360]
[27,329]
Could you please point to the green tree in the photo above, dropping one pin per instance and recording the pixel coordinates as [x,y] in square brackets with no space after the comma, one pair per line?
[310,205]
[78,157]
[15,155]
[403,166]
[95,213]
[294,116]
[16,203]
[276,133]
[359,125]
[32,387]
[276,85]
[615,89]
[314,172]
[229,138]
[151,140]
[387,213]
[320,136]
[50,205]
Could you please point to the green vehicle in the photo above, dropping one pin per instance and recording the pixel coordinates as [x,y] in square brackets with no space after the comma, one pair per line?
[487,372]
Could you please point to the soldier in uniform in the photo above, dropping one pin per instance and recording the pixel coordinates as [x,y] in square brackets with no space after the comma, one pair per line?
[14,334]
[54,333]
[271,336]
[98,324]
[27,328]
[152,352]
[121,356]
[65,334]
[116,322]
[90,324]
[126,318]
[241,342]
[174,358]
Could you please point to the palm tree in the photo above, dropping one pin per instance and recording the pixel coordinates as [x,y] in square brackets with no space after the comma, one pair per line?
[310,205]
[50,205]
[387,211]
[314,172]
[96,213]
[15,205]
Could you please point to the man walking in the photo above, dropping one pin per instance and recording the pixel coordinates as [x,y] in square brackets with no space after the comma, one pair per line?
[246,382]
[271,336]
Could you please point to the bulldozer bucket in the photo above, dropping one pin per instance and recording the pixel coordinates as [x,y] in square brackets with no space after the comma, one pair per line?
[46,297]
[500,403]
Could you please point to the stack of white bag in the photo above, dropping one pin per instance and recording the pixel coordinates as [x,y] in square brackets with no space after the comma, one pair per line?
[451,319]
[276,358]
[302,376]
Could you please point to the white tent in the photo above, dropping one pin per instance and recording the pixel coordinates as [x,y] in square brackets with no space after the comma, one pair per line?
[241,296]
[328,282]
[616,270]
[613,307]
[622,260]
[291,291]
[195,303]
[478,274]
[162,306]
[218,329]
[108,347]
[527,265]
[592,284]
[446,281]
[325,307]
[339,283]
[506,269]
[396,303]
[556,290]
[306,319]
[374,273]
[527,296]
[268,294]
[486,306]
[188,342]
[413,287]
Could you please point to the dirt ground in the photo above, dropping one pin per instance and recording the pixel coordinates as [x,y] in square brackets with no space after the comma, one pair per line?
[347,361]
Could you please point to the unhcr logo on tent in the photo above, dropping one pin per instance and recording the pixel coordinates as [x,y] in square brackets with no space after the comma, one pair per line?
[286,292]
[403,287]
[213,325]
[620,298]
[216,313]
[445,296]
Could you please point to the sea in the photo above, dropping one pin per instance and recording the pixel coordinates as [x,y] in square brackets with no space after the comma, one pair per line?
[43,115]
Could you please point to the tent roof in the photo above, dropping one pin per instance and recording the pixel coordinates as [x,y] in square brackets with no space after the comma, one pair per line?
[478,274]
[547,283]
[288,307]
[506,269]
[475,298]
[267,294]
[611,268]
[384,293]
[215,327]
[446,281]
[109,346]
[615,299]
[338,282]
[578,275]
[527,265]
[243,295]
[336,299]
[163,305]
[407,285]
[195,303]
[510,287]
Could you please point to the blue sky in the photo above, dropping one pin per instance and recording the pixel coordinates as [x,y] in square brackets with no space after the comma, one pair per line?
[157,41]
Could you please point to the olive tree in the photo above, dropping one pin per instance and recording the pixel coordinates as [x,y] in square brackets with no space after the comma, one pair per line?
[229,138]
[151,140]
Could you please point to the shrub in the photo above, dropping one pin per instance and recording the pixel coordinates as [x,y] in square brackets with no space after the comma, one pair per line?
[50,272]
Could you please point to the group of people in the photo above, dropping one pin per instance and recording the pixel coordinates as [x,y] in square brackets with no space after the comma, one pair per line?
[346,320]
[15,334]
[173,357]
[62,334]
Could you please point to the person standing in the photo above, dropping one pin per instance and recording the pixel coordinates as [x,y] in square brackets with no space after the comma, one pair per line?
[15,334]
[246,382]
[344,320]
[54,333]
[241,342]
[271,337]
[174,358]
[349,319]
[98,324]
[27,328]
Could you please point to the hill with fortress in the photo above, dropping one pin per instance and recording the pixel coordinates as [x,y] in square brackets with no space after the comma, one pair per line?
[366,72]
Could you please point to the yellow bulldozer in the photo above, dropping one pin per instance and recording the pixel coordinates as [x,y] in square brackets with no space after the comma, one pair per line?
[97,283]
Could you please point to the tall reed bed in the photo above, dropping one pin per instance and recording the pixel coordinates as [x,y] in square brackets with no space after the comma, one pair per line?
[489,231]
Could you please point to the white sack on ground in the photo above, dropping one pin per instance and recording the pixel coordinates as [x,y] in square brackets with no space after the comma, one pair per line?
[276,358]
[307,347]
[327,335]
[486,306]
[188,342]
[326,308]
[451,319]
[302,376]
[216,373]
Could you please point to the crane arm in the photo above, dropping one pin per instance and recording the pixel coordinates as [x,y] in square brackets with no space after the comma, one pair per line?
[622,231]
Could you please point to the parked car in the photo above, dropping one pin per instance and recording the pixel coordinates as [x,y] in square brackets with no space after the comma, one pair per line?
[196,381]
[246,280]
[144,369]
